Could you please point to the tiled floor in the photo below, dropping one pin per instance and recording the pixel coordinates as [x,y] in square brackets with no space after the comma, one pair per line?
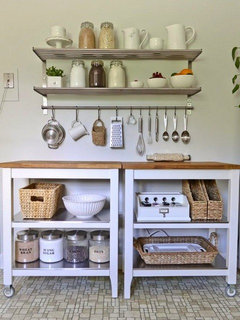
[90,298]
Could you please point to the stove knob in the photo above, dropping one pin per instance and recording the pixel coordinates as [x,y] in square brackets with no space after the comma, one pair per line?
[164,199]
[173,199]
[146,199]
[155,199]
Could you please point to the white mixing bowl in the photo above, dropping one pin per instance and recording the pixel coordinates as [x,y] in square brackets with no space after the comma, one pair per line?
[182,81]
[84,206]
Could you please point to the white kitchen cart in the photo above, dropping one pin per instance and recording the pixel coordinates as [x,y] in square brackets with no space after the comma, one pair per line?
[140,172]
[107,220]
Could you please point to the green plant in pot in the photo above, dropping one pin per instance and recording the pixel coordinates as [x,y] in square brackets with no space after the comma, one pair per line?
[54,77]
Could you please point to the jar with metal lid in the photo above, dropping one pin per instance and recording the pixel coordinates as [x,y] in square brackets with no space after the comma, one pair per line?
[87,36]
[78,74]
[97,76]
[116,75]
[99,246]
[106,37]
[75,246]
[51,246]
[26,246]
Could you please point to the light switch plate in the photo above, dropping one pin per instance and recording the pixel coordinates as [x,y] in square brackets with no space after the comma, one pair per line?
[8,80]
[12,93]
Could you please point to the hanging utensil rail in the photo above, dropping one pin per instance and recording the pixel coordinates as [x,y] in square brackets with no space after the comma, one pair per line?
[118,107]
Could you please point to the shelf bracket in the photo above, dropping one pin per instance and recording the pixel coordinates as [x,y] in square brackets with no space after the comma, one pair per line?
[44,84]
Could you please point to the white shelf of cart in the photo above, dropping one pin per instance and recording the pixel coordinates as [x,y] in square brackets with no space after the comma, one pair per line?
[181,171]
[64,219]
[107,219]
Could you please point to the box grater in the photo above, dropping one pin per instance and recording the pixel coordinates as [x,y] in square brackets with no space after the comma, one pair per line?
[116,136]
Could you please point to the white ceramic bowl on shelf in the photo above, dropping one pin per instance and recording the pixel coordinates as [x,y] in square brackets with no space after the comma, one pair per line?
[157,82]
[136,84]
[182,81]
[84,206]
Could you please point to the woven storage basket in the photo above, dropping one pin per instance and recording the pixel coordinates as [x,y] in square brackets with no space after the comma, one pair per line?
[214,199]
[40,200]
[178,257]
[193,189]
[99,133]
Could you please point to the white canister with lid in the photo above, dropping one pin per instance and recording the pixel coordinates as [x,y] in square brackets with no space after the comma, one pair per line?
[116,75]
[51,246]
[78,74]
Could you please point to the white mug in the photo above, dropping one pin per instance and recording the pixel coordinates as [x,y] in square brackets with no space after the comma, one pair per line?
[58,31]
[77,130]
[156,43]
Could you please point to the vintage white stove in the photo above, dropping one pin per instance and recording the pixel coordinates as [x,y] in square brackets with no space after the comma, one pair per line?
[162,207]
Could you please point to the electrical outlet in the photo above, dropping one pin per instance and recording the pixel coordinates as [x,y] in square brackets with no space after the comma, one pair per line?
[8,80]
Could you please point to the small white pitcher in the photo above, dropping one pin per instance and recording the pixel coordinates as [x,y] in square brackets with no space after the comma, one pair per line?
[177,34]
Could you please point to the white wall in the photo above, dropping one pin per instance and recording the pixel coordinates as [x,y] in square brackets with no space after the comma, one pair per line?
[214,124]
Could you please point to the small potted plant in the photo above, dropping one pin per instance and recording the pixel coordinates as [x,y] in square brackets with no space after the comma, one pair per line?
[54,77]
[157,81]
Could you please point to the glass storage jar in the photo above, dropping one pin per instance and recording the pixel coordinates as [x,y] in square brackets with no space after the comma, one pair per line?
[86,36]
[116,75]
[51,246]
[106,37]
[97,76]
[78,74]
[75,246]
[99,246]
[27,246]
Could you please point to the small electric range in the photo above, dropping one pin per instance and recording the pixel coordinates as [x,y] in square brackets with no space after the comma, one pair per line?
[162,207]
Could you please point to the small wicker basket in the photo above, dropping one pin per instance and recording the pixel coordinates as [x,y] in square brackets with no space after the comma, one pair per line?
[99,133]
[214,199]
[40,200]
[193,189]
[176,258]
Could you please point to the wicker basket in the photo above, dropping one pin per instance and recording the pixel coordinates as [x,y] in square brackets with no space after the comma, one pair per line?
[176,258]
[193,189]
[214,199]
[99,133]
[40,200]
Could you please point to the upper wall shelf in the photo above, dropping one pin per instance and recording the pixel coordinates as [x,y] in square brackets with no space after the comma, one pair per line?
[52,53]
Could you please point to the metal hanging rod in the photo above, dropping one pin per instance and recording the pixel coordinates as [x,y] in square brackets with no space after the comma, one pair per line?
[118,107]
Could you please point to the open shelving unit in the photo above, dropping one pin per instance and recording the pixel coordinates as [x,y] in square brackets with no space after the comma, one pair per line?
[107,219]
[226,266]
[45,54]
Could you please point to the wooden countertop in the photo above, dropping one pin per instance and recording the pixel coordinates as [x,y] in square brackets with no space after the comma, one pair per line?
[119,165]
[62,164]
[179,165]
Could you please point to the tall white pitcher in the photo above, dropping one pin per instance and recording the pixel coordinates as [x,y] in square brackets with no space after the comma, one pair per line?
[132,39]
[177,36]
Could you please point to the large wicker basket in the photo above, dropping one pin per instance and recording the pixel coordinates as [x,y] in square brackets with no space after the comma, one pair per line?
[40,200]
[193,189]
[177,258]
[214,199]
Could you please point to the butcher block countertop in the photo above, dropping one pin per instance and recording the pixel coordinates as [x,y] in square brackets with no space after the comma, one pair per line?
[62,164]
[119,165]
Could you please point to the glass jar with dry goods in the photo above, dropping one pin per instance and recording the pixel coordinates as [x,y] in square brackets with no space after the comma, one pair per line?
[99,246]
[116,75]
[51,246]
[106,37]
[78,74]
[75,246]
[86,36]
[26,246]
[97,76]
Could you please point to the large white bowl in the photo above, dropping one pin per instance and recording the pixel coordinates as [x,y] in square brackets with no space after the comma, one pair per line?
[84,206]
[157,82]
[182,81]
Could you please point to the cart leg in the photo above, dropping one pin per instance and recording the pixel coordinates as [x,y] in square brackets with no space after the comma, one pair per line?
[114,285]
[128,233]
[7,231]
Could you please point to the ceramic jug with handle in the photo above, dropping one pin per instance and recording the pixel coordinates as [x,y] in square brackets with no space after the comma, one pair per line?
[177,34]
[132,39]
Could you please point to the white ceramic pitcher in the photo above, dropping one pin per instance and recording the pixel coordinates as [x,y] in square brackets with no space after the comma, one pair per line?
[177,34]
[132,39]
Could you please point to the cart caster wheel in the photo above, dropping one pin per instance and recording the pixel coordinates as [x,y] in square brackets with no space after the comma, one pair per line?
[9,291]
[230,291]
